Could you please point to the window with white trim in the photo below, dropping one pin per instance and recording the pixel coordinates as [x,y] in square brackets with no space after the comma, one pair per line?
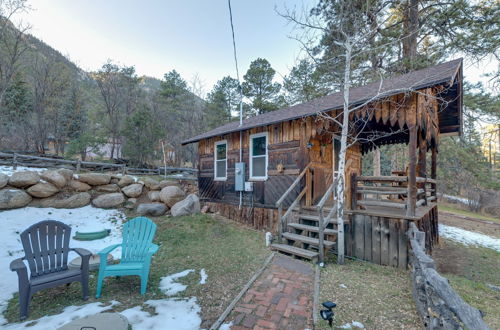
[258,156]
[220,160]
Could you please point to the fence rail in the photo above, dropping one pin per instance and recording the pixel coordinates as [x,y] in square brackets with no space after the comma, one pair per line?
[15,160]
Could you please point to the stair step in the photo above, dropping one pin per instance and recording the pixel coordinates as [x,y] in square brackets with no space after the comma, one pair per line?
[307,240]
[295,251]
[313,229]
[316,218]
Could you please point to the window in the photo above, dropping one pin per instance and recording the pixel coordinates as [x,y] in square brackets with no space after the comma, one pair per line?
[220,160]
[258,156]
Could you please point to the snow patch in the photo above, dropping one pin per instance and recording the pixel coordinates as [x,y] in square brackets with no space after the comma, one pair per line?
[83,219]
[226,326]
[468,237]
[204,276]
[181,314]
[353,324]
[343,286]
[169,285]
[69,314]
[9,170]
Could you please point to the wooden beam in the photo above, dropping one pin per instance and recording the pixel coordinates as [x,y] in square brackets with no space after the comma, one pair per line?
[412,188]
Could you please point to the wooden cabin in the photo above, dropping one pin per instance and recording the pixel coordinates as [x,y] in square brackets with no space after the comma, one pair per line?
[290,157]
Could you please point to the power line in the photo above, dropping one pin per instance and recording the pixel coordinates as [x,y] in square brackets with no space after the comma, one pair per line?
[234,42]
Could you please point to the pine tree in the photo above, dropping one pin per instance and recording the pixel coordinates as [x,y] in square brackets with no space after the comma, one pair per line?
[259,87]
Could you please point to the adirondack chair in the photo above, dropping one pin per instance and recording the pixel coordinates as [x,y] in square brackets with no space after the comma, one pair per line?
[137,250]
[46,248]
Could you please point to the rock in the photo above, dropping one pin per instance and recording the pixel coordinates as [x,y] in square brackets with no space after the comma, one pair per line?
[61,202]
[130,203]
[205,209]
[94,179]
[13,198]
[54,177]
[114,180]
[152,184]
[108,200]
[79,186]
[133,190]
[154,196]
[189,205]
[24,179]
[4,179]
[171,195]
[167,183]
[66,173]
[153,209]
[125,181]
[42,190]
[109,188]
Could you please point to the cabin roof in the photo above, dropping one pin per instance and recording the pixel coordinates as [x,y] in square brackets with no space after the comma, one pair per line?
[448,73]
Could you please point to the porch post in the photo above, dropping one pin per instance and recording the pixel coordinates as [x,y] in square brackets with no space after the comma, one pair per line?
[422,164]
[412,188]
[434,170]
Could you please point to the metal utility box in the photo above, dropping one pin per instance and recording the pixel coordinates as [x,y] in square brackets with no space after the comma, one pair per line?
[239,177]
[248,186]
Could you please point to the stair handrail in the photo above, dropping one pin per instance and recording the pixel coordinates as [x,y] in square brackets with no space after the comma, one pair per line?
[322,221]
[279,203]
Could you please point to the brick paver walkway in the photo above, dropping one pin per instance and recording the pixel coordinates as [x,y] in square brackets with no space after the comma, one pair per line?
[281,298]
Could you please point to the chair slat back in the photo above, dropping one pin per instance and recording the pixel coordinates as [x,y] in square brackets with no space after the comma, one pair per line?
[138,235]
[46,247]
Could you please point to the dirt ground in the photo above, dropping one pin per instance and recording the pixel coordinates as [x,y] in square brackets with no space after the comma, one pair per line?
[477,225]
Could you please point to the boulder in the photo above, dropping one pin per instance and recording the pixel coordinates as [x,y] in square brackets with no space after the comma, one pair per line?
[125,181]
[171,195]
[54,177]
[108,200]
[24,179]
[114,180]
[63,202]
[42,190]
[153,209]
[154,196]
[94,179]
[133,190]
[79,186]
[167,183]
[152,184]
[4,179]
[189,205]
[130,203]
[13,198]
[66,173]
[109,188]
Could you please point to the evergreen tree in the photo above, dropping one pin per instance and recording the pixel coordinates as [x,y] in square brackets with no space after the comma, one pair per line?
[259,87]
[222,101]
[303,83]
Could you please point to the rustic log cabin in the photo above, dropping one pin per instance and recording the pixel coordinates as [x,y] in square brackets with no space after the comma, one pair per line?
[276,171]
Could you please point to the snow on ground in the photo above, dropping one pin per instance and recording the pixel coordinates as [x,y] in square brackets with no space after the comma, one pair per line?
[468,237]
[204,276]
[169,285]
[9,170]
[86,218]
[69,314]
[226,326]
[353,324]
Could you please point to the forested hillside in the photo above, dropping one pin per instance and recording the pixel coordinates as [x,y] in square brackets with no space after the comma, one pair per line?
[44,97]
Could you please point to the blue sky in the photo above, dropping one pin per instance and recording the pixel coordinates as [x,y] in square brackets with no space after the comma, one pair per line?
[193,37]
[190,36]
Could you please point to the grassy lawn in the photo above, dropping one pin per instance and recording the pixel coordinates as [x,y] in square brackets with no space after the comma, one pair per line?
[456,210]
[229,253]
[470,270]
[379,297]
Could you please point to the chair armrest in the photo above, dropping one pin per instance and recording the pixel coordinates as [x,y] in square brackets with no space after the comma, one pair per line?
[108,249]
[152,249]
[18,265]
[82,252]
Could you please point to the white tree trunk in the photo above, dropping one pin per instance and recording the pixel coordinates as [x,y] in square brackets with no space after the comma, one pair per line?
[342,155]
[376,162]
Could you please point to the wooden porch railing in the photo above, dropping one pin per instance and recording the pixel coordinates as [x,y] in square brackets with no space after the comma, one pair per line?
[371,188]
[279,204]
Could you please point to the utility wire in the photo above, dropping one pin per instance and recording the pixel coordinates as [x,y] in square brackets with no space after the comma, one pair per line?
[236,64]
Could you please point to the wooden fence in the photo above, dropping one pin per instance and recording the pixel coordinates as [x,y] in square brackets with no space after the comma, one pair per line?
[15,160]
[439,306]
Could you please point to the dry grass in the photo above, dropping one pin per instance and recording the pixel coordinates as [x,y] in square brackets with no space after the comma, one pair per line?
[379,297]
[229,253]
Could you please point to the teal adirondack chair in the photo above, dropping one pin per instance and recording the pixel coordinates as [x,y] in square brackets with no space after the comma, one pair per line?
[137,250]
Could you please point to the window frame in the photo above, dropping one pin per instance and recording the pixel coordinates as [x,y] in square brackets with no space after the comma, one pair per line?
[251,156]
[219,178]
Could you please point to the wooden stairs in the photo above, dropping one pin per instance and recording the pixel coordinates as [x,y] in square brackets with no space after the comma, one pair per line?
[301,239]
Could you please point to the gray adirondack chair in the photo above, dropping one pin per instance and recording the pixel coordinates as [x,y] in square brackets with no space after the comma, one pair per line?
[46,248]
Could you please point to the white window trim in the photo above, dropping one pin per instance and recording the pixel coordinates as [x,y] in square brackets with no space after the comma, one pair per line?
[219,178]
[257,135]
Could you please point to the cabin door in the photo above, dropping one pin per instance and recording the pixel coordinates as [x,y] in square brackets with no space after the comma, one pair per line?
[323,155]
